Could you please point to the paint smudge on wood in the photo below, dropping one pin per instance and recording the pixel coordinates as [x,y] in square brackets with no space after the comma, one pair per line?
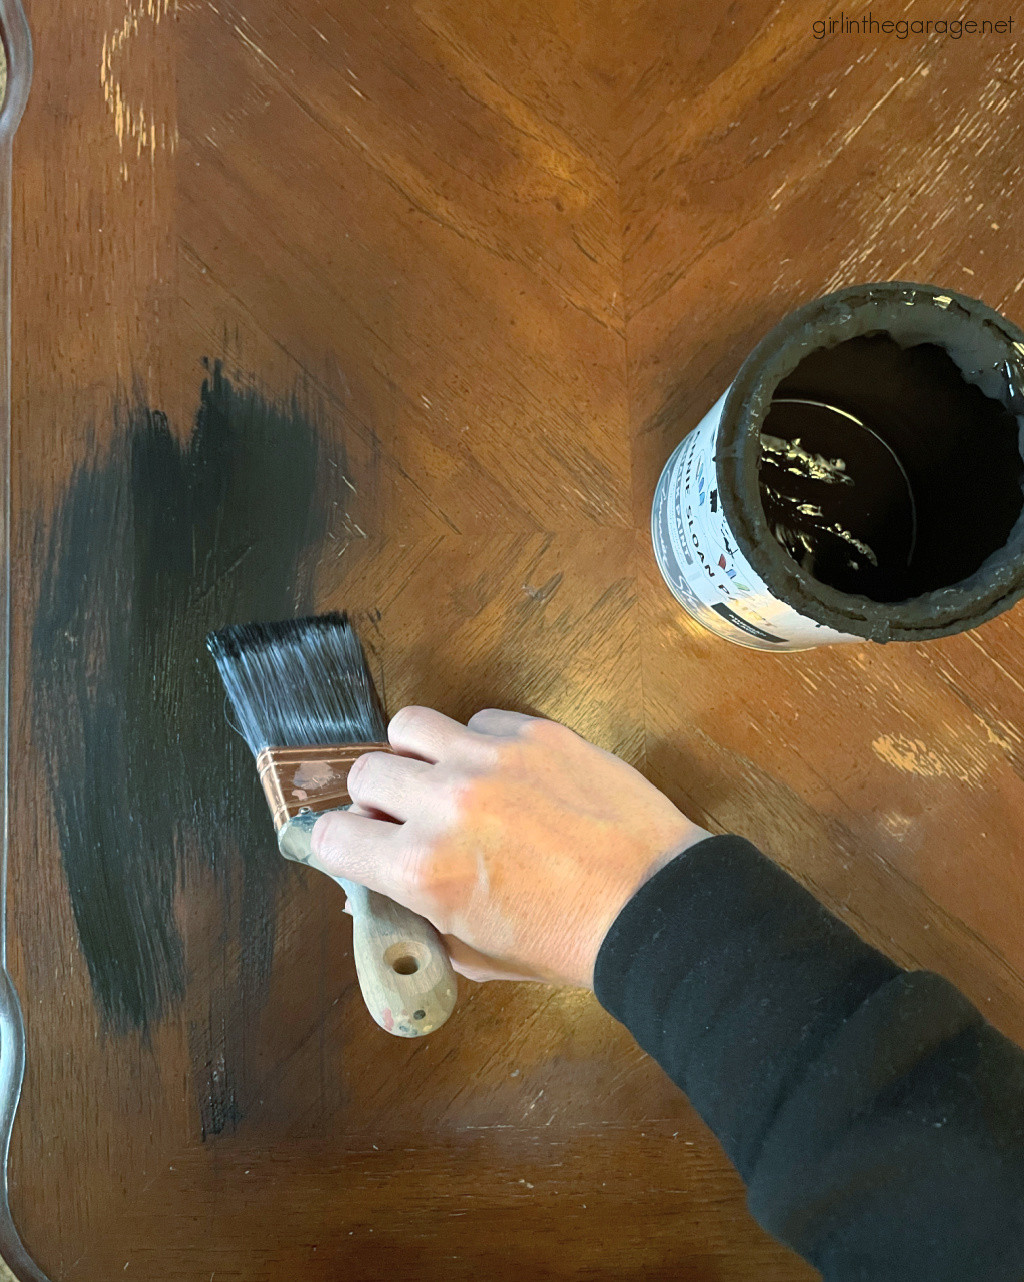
[148,550]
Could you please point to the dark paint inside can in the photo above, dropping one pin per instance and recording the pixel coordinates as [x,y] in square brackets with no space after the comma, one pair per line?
[870,465]
[885,473]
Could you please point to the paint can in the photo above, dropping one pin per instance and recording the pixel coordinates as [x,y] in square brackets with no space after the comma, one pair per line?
[861,479]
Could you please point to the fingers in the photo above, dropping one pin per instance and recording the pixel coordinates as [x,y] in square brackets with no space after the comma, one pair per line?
[369,812]
[431,736]
[396,786]
[498,721]
[359,849]
[399,786]
[428,734]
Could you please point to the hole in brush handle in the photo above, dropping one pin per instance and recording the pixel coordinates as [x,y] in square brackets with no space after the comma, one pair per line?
[406,957]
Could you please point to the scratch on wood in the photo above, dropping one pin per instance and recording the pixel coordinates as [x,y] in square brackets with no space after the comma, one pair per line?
[943,170]
[914,757]
[852,133]
[260,53]
[134,122]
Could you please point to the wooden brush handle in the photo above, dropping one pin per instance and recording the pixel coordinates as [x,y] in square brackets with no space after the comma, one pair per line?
[404,970]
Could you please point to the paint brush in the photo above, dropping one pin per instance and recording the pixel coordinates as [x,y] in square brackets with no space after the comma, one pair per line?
[307,707]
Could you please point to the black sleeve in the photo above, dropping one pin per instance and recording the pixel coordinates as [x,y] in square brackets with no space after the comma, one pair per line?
[875,1117]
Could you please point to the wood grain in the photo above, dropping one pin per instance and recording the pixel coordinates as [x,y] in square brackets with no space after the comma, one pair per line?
[498,259]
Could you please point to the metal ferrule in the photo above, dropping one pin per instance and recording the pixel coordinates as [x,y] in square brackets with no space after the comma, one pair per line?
[310,778]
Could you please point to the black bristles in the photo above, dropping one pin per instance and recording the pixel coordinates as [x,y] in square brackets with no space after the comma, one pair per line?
[298,682]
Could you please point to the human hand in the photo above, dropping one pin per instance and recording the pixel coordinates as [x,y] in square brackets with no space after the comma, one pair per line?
[518,839]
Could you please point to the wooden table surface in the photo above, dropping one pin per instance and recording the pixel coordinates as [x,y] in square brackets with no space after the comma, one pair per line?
[401,308]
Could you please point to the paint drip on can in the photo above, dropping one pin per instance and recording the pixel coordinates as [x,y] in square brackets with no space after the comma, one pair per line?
[861,479]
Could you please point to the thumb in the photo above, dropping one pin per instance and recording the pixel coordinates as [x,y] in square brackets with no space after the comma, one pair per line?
[479,967]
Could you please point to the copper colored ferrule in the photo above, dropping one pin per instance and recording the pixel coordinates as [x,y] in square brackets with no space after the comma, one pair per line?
[313,778]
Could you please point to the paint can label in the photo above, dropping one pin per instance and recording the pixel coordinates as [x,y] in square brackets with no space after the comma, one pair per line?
[701,561]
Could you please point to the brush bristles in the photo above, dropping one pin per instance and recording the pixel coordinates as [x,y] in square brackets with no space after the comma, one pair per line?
[298,682]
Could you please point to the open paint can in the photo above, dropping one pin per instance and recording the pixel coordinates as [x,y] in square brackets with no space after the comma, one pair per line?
[861,479]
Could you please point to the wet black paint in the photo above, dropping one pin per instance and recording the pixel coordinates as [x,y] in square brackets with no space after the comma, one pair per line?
[151,548]
[958,450]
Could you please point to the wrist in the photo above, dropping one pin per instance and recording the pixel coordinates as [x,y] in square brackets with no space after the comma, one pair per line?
[691,836]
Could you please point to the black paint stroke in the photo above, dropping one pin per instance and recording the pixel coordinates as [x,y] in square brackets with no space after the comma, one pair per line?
[147,551]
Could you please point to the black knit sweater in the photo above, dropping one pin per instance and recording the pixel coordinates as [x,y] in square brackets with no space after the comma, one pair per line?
[875,1117]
